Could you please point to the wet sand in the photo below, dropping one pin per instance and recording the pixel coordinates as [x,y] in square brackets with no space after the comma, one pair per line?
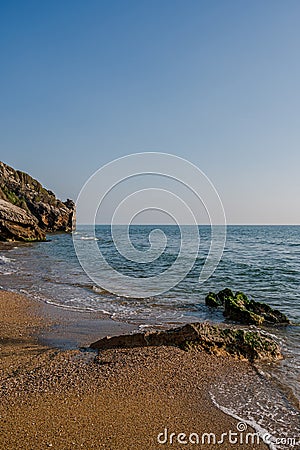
[121,399]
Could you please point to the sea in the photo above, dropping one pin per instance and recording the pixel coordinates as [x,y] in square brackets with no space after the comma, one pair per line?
[261,261]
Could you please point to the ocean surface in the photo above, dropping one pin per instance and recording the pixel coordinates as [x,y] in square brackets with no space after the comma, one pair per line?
[262,261]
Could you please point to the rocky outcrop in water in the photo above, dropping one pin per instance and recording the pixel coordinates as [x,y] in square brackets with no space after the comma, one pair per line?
[26,193]
[239,308]
[243,344]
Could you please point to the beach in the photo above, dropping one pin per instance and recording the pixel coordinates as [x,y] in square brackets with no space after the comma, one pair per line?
[149,225]
[121,399]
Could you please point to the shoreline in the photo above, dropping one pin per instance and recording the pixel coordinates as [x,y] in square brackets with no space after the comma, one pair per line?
[121,399]
[72,329]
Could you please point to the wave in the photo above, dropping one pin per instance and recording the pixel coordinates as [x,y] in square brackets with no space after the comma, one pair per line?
[262,432]
[89,238]
[5,259]
[260,402]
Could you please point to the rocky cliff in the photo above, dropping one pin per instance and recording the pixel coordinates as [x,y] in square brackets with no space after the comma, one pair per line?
[35,208]
[17,224]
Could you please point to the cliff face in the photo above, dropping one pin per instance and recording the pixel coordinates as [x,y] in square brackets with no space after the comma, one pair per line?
[37,204]
[17,224]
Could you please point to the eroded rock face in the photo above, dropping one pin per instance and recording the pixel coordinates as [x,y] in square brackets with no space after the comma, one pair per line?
[239,308]
[17,224]
[23,191]
[240,343]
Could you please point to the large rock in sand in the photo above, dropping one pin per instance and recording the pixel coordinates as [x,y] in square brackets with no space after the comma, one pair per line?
[240,343]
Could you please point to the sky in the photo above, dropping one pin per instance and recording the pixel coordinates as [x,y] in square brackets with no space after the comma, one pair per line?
[216,83]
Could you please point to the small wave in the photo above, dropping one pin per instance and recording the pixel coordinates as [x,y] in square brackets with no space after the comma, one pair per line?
[75,308]
[260,403]
[6,266]
[99,290]
[89,238]
[4,259]
[262,432]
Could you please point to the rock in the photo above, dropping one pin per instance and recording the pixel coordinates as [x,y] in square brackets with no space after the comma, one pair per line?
[239,308]
[212,300]
[225,293]
[23,191]
[17,224]
[244,344]
[269,314]
[216,300]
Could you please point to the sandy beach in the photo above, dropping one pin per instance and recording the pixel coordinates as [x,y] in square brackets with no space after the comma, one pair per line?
[121,399]
[149,225]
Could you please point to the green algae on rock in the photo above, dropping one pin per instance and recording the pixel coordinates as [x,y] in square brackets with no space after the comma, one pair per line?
[239,308]
[239,343]
[216,300]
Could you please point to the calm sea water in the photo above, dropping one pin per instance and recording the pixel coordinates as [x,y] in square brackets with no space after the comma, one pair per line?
[262,261]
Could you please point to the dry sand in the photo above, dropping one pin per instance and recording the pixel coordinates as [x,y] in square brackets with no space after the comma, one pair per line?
[120,400]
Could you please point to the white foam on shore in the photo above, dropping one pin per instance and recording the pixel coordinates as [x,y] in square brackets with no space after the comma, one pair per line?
[89,238]
[75,308]
[260,430]
[6,265]
[4,259]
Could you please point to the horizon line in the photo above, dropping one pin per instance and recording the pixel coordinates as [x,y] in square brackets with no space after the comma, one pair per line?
[198,224]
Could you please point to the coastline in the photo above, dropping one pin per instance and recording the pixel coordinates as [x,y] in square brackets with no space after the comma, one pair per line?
[72,329]
[120,400]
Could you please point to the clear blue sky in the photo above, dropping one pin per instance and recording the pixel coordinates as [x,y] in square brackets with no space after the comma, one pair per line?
[216,82]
